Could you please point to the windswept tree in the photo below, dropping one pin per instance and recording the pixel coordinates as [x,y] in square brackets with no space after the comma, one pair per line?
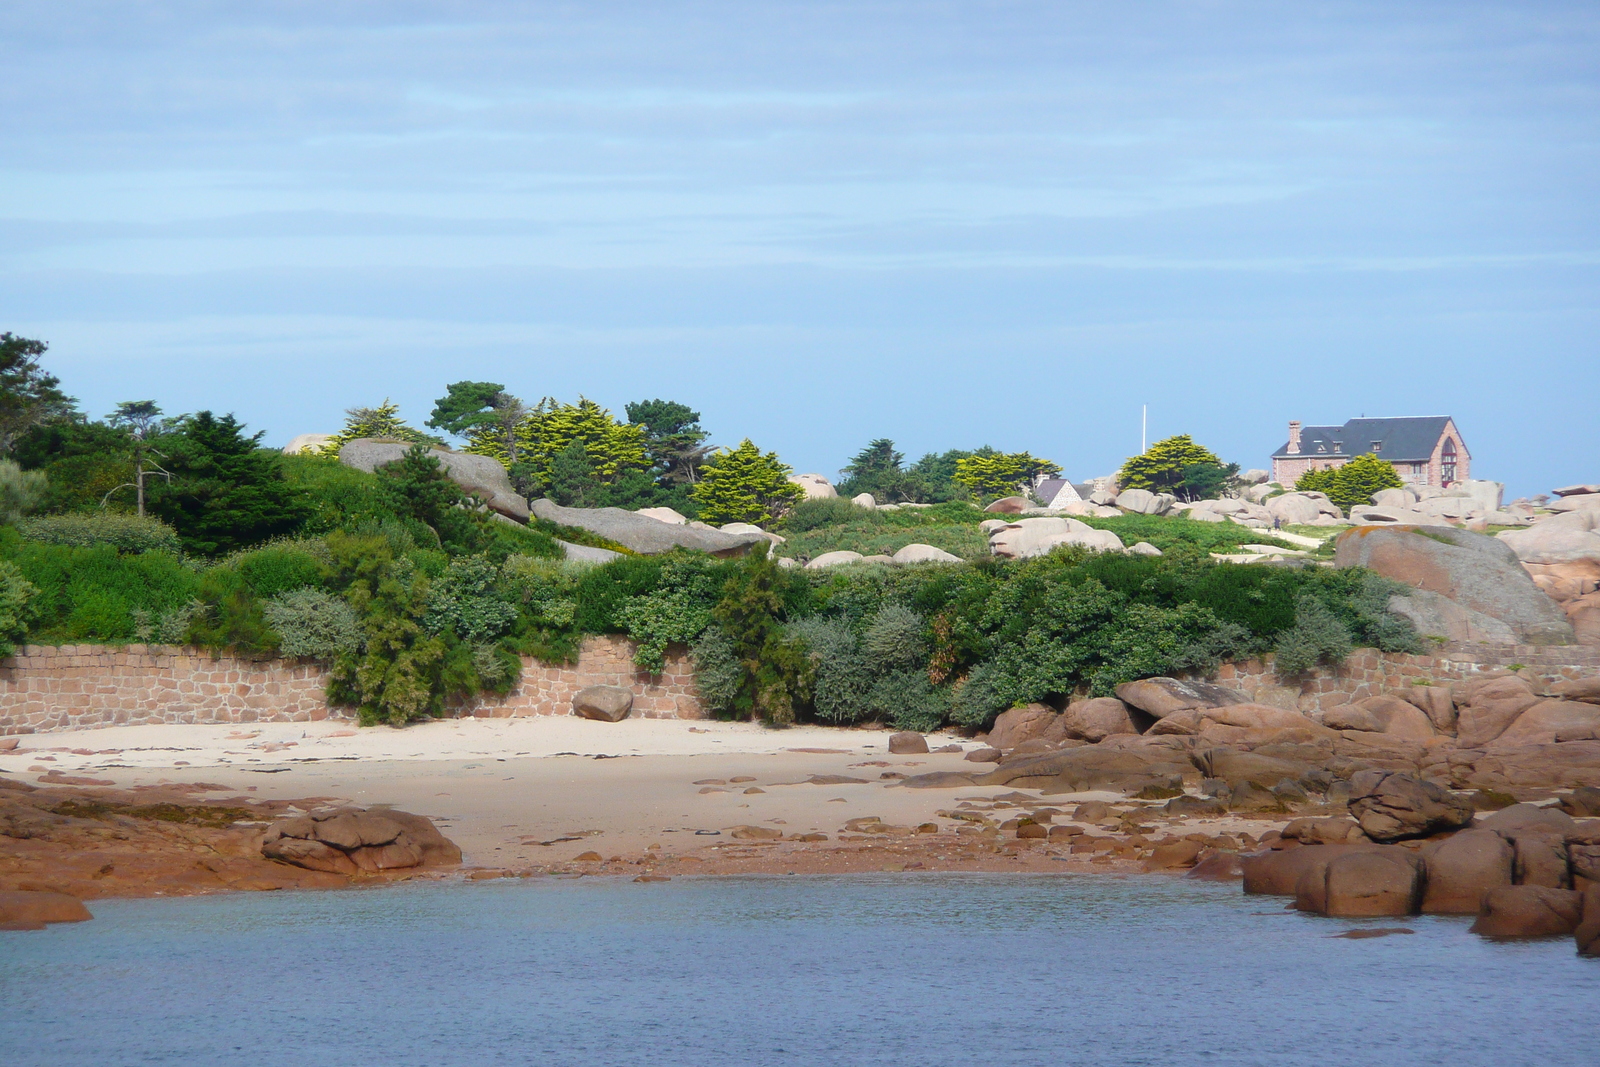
[745,485]
[988,473]
[674,441]
[382,422]
[28,395]
[143,421]
[879,469]
[1178,466]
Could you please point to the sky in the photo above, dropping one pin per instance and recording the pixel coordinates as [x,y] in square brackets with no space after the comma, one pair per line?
[950,224]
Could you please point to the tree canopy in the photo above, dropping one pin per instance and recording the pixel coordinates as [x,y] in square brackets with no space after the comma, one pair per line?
[1179,466]
[988,473]
[1353,484]
[464,407]
[745,485]
[28,395]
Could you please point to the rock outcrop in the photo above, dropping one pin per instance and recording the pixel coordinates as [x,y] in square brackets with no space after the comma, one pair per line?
[642,534]
[1477,572]
[1528,911]
[22,909]
[481,476]
[353,841]
[1391,806]
[816,486]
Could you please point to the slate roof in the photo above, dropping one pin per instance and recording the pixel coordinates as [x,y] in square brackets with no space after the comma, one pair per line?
[1406,440]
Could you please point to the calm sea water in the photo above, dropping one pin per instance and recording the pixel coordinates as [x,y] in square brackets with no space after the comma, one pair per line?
[903,970]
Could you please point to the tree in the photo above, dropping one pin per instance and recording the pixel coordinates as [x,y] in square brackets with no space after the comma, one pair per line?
[612,448]
[420,490]
[1161,467]
[745,485]
[225,492]
[1354,484]
[464,407]
[571,481]
[28,396]
[21,491]
[987,473]
[383,421]
[750,614]
[673,439]
[142,419]
[1208,481]
[879,469]
[931,479]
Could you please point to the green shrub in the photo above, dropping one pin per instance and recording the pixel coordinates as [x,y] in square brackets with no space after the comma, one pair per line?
[842,677]
[126,533]
[909,701]
[718,674]
[1317,637]
[816,512]
[545,594]
[468,602]
[677,611]
[16,607]
[20,491]
[896,638]
[279,568]
[314,624]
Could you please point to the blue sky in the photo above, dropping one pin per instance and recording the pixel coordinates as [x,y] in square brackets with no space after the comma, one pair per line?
[945,223]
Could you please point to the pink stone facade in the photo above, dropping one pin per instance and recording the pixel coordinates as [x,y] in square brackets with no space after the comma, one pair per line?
[1287,470]
[77,687]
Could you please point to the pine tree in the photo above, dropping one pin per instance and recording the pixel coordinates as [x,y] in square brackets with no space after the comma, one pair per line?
[383,422]
[745,485]
[987,473]
[1163,467]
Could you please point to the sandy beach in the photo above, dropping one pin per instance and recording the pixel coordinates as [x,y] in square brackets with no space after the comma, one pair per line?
[652,797]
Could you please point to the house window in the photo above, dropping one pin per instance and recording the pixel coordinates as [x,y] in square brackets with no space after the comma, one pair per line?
[1377,446]
[1447,463]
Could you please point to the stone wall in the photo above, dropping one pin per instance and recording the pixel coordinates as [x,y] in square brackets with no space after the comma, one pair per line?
[77,687]
[1368,672]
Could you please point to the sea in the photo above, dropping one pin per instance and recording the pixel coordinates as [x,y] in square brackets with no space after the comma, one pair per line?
[907,969]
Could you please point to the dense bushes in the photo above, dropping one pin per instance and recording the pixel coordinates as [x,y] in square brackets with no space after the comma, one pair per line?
[126,533]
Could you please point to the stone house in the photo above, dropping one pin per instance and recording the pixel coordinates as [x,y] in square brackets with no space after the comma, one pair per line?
[1426,450]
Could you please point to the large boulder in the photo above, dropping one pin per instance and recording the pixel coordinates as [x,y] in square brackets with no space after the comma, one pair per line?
[816,486]
[1462,868]
[1433,615]
[1038,536]
[1505,769]
[1436,702]
[1160,697]
[603,703]
[1391,806]
[1295,508]
[307,442]
[1278,873]
[838,558]
[482,476]
[1096,719]
[1489,707]
[865,500]
[1009,505]
[642,534]
[31,909]
[1016,725]
[1477,572]
[352,841]
[1398,717]
[907,743]
[1562,553]
[1102,766]
[1584,615]
[1584,689]
[1144,502]
[1549,721]
[917,553]
[1363,884]
[1528,911]
[667,515]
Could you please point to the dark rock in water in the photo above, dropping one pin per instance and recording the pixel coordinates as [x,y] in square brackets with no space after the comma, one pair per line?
[27,909]
[1278,873]
[603,703]
[1160,697]
[907,742]
[1217,867]
[938,780]
[1374,931]
[1391,806]
[1462,868]
[1587,935]
[642,534]
[1528,911]
[1373,882]
[1541,856]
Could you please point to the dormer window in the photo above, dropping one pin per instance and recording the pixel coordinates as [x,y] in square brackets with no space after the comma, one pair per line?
[1322,448]
[1377,446]
[1338,447]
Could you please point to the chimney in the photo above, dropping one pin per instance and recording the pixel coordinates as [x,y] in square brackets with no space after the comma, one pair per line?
[1294,438]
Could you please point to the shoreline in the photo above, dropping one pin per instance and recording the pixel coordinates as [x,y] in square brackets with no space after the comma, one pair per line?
[651,799]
